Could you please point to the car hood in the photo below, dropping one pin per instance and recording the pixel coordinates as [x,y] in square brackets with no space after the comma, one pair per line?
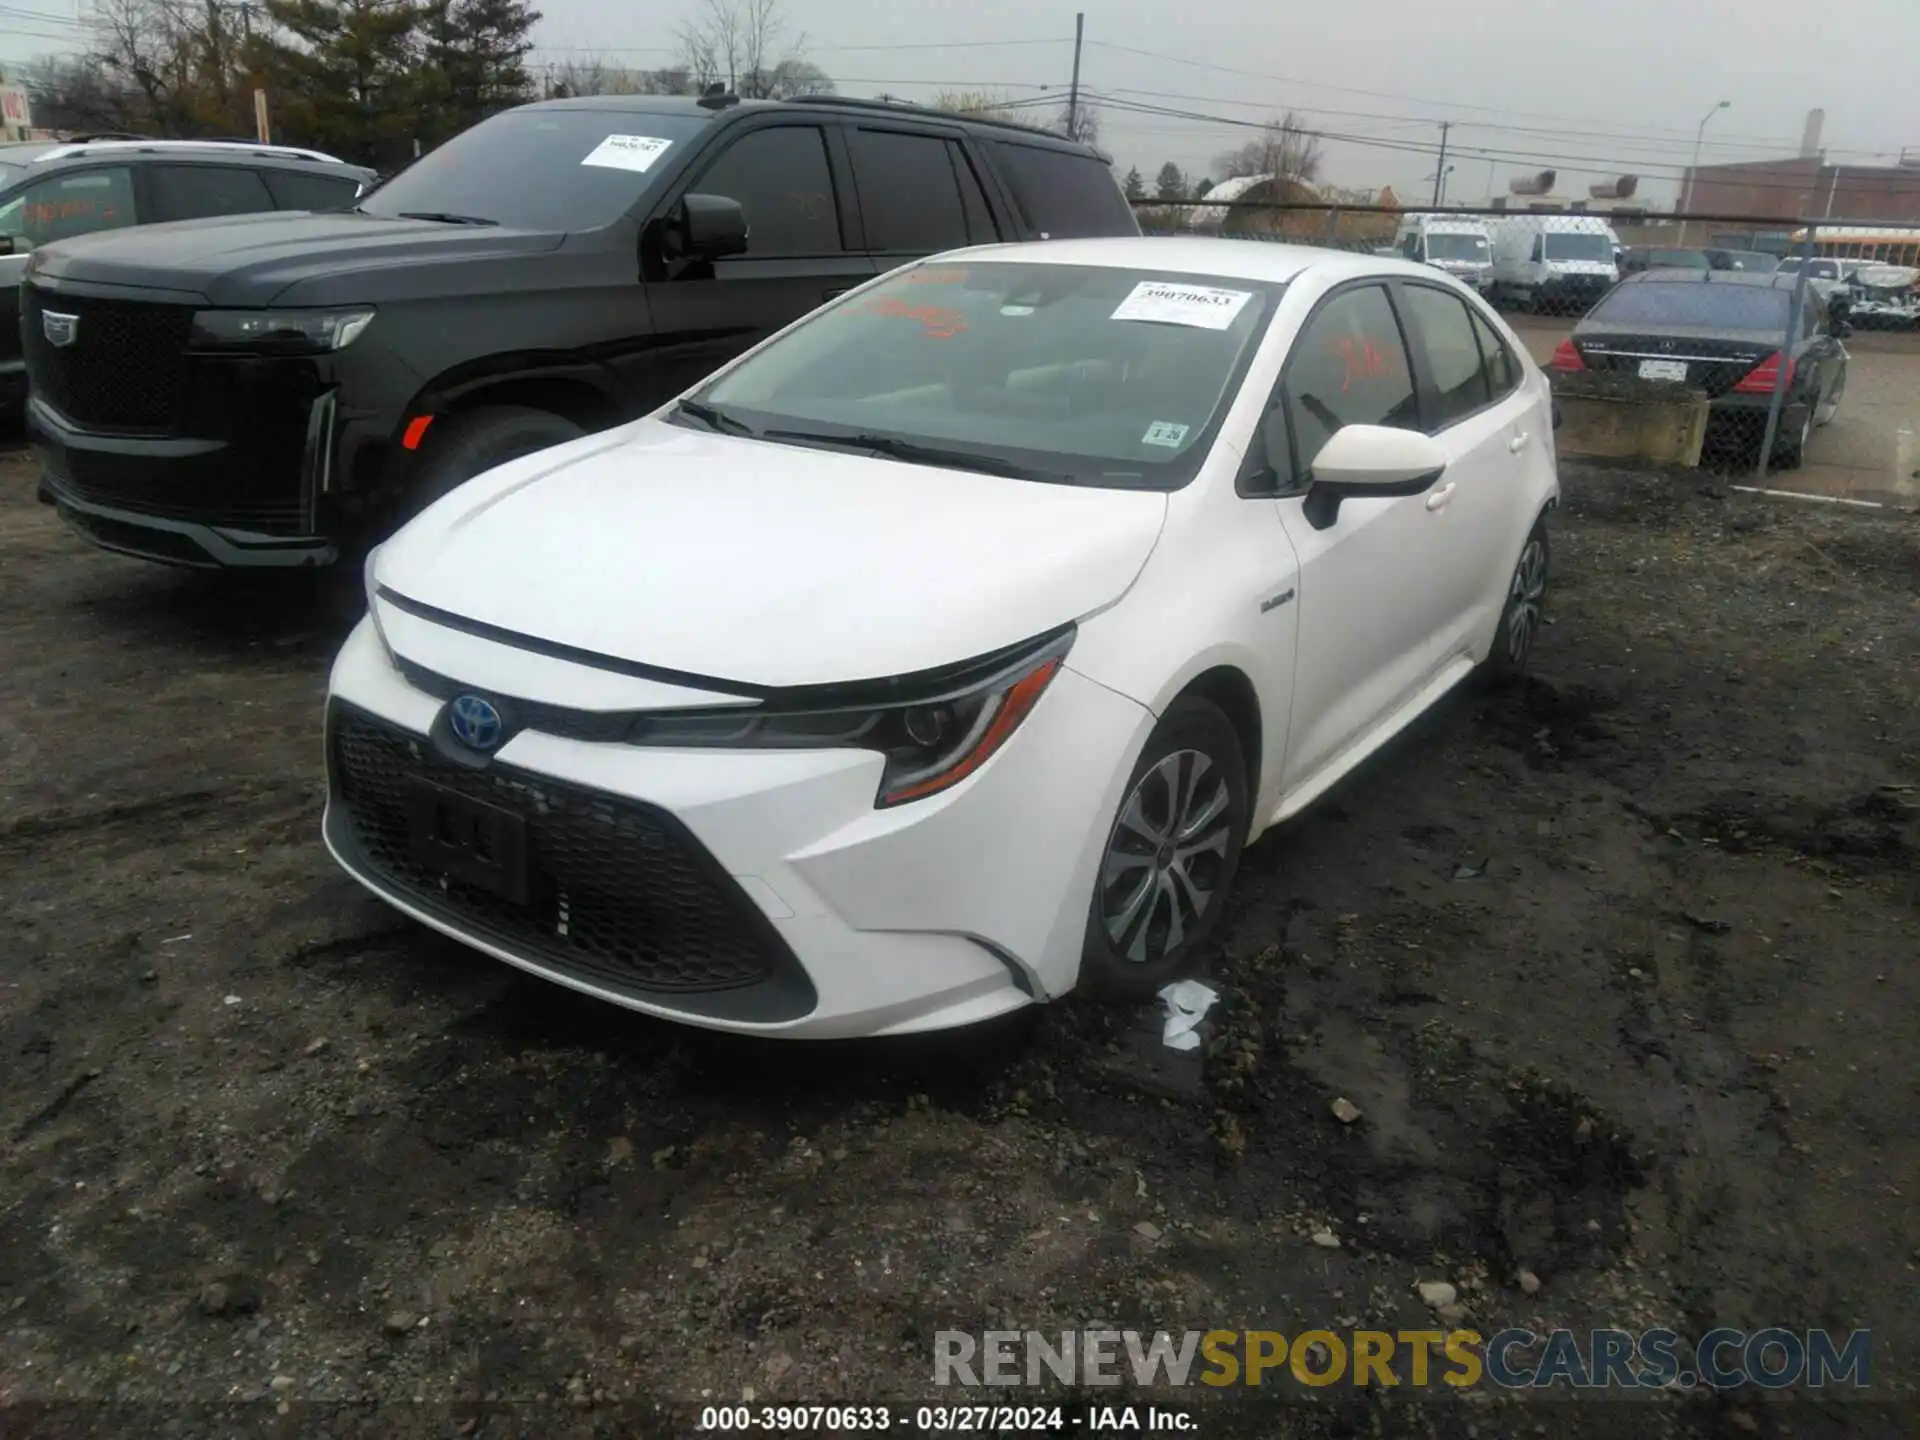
[255,259]
[765,564]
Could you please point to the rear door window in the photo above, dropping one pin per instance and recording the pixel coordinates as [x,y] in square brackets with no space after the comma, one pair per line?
[780,177]
[1503,371]
[200,192]
[303,190]
[1064,195]
[909,194]
[1451,352]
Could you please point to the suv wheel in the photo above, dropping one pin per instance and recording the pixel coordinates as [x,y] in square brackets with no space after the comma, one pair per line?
[471,442]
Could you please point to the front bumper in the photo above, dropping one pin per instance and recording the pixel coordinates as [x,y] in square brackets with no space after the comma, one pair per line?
[191,501]
[946,912]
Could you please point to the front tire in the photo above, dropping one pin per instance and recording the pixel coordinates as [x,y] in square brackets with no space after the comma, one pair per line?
[1171,853]
[470,443]
[1520,617]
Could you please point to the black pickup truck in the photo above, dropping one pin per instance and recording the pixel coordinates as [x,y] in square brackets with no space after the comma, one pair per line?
[275,390]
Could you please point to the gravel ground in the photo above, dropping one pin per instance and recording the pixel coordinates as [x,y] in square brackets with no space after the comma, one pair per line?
[1617,970]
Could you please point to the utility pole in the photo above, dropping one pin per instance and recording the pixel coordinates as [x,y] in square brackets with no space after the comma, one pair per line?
[1073,94]
[1440,170]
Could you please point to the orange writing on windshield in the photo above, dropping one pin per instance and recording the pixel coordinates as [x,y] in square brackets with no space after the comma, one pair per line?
[936,322]
[946,275]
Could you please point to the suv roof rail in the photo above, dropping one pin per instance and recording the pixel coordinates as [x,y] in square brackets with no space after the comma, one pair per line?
[928,110]
[69,148]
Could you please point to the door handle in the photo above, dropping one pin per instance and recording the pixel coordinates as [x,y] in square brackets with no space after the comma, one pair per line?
[1517,443]
[1439,498]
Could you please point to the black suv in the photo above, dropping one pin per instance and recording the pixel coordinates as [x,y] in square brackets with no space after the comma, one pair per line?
[281,390]
[53,190]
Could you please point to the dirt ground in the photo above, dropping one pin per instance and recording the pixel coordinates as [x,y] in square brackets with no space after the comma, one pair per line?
[1619,971]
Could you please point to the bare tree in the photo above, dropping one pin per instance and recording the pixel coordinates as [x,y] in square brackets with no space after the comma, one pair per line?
[988,104]
[741,44]
[1080,123]
[1284,148]
[594,76]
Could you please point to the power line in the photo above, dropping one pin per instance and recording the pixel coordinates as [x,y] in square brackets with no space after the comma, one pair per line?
[1572,164]
[1404,99]
[1635,140]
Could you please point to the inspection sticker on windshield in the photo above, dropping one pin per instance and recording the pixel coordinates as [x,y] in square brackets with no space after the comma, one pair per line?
[1199,306]
[627,152]
[1164,432]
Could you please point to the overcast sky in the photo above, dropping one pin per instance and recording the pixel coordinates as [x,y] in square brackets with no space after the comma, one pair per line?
[1600,88]
[1592,90]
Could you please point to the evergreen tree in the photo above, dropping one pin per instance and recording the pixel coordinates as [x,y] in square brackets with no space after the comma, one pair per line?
[1170,184]
[1136,186]
[475,62]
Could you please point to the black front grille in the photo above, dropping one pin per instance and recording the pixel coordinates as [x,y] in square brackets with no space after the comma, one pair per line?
[125,368]
[620,892]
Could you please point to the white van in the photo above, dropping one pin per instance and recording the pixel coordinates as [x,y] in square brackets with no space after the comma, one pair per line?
[1458,244]
[1565,262]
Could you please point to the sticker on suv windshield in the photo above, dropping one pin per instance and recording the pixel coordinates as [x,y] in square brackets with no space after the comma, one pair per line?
[1164,432]
[1199,306]
[627,152]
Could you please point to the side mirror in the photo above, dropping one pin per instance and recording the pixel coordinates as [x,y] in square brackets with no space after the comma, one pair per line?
[706,227]
[6,244]
[1367,460]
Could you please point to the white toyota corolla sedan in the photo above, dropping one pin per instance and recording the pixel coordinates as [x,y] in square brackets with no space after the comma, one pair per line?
[942,653]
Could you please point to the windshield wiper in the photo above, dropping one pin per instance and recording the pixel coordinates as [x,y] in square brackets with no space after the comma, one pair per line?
[444,218]
[713,417]
[914,452]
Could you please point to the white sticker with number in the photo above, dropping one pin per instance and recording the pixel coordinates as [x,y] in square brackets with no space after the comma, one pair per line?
[627,152]
[1199,306]
[1164,432]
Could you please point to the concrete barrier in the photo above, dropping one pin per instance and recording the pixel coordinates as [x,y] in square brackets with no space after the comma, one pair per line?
[1625,418]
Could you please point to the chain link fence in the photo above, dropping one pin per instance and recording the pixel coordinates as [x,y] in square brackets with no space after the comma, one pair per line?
[1705,340]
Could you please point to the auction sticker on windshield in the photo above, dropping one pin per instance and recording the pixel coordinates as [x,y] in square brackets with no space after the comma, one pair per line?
[1199,306]
[627,152]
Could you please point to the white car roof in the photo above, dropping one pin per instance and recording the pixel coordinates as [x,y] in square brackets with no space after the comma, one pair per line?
[1257,260]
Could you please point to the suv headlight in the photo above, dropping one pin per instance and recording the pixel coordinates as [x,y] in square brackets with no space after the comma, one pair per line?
[932,741]
[280,332]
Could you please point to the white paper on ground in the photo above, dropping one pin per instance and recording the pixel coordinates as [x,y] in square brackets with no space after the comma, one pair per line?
[627,152]
[1187,1004]
[1200,306]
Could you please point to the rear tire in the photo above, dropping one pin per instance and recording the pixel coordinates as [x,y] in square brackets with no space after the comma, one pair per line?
[472,442]
[1170,855]
[1521,616]
[1790,451]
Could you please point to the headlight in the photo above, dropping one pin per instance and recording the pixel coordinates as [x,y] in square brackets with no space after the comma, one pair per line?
[931,741]
[283,332]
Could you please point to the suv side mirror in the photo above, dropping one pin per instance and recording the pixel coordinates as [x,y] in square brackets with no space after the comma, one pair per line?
[6,244]
[706,227]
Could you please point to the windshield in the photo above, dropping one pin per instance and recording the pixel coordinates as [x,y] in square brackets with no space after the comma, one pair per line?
[1677,260]
[539,169]
[1456,247]
[1078,373]
[1755,262]
[1695,306]
[1563,245]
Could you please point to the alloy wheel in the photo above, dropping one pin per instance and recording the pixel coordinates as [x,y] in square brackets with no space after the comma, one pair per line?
[1523,614]
[1166,857]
